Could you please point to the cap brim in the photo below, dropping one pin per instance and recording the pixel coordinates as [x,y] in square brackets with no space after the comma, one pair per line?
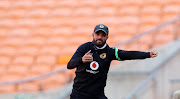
[101,30]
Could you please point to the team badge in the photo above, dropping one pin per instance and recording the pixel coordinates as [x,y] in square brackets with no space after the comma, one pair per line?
[101,26]
[103,55]
[94,65]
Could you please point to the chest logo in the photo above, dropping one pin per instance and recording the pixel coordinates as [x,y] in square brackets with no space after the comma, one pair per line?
[103,55]
[94,65]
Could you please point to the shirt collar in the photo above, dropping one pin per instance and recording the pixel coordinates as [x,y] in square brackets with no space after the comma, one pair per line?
[101,47]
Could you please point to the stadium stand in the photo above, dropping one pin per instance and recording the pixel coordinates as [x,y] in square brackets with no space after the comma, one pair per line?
[38,36]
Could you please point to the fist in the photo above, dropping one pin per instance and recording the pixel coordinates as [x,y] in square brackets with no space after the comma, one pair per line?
[87,57]
[153,53]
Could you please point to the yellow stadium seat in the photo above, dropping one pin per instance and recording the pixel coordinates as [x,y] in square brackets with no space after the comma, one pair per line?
[64,59]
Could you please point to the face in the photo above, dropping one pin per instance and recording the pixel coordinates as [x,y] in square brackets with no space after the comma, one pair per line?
[99,38]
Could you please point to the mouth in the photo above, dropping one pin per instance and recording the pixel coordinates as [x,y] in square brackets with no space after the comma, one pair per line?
[99,41]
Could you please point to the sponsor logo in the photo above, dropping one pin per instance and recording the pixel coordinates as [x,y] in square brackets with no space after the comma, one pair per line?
[91,71]
[94,65]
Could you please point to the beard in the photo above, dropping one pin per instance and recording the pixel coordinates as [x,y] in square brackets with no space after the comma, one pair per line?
[99,42]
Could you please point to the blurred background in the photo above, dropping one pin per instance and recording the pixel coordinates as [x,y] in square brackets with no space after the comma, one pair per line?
[38,38]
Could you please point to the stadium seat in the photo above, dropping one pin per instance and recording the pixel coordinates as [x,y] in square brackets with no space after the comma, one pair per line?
[51,50]
[150,20]
[150,10]
[47,4]
[5,4]
[61,12]
[84,12]
[39,69]
[27,51]
[22,4]
[8,89]
[3,69]
[7,23]
[23,60]
[128,11]
[54,82]
[41,32]
[88,3]
[19,33]
[34,42]
[46,60]
[66,4]
[5,60]
[63,31]
[29,87]
[8,51]
[106,11]
[16,14]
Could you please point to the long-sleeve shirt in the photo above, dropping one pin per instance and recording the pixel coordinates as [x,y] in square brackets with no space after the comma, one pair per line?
[91,76]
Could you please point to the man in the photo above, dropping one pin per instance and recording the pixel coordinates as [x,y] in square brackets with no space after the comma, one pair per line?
[92,61]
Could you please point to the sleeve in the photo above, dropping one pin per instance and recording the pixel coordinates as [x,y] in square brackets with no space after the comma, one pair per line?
[129,55]
[76,59]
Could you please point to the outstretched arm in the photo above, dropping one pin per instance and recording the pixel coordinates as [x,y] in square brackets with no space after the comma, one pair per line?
[130,55]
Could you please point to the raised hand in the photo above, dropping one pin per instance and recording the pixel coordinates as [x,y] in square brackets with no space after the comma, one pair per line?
[87,57]
[153,53]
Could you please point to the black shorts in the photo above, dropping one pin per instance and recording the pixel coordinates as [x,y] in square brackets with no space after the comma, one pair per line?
[81,95]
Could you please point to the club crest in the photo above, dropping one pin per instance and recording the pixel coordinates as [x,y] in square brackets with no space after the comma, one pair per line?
[103,55]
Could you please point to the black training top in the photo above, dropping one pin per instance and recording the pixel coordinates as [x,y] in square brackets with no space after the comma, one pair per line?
[91,76]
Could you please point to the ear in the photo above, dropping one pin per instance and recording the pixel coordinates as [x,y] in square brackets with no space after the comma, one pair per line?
[92,34]
[107,37]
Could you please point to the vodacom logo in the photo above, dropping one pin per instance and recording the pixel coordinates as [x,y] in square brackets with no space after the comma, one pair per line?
[94,65]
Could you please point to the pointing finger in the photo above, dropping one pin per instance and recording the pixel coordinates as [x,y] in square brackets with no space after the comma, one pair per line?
[88,52]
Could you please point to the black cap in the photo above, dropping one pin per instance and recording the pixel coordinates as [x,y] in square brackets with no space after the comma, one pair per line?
[101,27]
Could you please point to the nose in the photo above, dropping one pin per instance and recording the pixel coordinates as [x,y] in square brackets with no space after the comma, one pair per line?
[99,36]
